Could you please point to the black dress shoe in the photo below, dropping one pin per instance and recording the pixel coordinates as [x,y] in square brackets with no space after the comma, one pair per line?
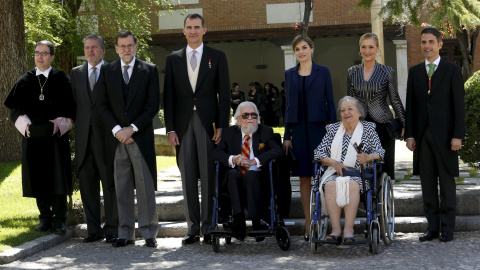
[111,238]
[446,236]
[59,228]
[190,239]
[306,238]
[151,242]
[207,239]
[122,242]
[93,238]
[44,226]
[428,236]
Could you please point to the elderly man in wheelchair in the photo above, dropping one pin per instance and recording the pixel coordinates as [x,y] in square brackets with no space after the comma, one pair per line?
[246,149]
[345,147]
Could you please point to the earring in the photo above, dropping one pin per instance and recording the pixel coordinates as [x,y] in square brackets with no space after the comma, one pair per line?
[359,53]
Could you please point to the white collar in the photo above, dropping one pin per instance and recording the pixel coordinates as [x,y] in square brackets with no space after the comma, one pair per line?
[436,62]
[44,73]
[199,49]
[98,66]
[131,64]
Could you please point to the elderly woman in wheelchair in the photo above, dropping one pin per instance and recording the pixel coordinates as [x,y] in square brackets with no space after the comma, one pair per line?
[345,147]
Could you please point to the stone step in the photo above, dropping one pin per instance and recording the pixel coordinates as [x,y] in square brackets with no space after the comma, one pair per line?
[296,226]
[408,202]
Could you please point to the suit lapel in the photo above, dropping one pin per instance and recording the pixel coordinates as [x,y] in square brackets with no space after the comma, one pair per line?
[315,72]
[237,137]
[184,69]
[135,79]
[422,79]
[206,57]
[438,76]
[256,141]
[84,85]
[118,80]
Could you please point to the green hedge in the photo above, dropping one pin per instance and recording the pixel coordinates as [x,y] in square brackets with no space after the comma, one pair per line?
[470,152]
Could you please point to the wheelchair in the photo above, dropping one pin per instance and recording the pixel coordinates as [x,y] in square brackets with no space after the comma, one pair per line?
[222,215]
[378,204]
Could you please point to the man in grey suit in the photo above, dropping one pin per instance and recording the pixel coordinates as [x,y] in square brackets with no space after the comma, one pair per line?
[89,147]
[127,98]
[197,107]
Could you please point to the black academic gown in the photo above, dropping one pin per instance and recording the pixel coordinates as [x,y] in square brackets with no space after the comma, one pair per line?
[46,165]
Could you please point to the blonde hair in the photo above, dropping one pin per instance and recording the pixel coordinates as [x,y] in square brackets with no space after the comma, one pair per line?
[369,36]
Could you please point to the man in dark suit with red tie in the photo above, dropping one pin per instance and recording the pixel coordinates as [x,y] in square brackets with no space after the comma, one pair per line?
[127,98]
[90,146]
[197,107]
[246,149]
[435,127]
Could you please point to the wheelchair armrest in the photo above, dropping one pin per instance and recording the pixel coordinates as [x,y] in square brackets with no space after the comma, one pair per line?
[379,161]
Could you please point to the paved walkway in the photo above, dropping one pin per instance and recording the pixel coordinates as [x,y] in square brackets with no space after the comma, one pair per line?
[404,253]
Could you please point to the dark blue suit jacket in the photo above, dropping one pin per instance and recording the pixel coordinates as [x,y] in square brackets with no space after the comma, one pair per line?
[319,97]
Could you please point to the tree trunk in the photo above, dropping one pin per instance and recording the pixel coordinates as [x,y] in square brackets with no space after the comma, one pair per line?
[306,16]
[14,64]
[467,47]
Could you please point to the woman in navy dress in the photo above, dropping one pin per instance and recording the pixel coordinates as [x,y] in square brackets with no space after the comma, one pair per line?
[310,107]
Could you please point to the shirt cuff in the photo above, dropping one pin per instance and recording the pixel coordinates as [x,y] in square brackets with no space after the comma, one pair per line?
[258,162]
[64,124]
[116,129]
[409,138]
[21,124]
[230,162]
[134,127]
[170,132]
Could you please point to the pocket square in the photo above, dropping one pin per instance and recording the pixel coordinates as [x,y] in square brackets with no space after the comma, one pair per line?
[260,146]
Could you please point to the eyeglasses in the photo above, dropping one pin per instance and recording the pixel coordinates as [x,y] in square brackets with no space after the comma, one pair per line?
[129,46]
[253,115]
[37,53]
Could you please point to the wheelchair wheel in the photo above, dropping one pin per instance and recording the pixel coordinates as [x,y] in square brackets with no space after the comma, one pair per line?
[216,244]
[228,240]
[322,231]
[387,210]
[283,238]
[375,241]
[314,229]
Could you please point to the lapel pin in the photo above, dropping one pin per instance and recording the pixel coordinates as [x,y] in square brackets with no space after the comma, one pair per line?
[210,63]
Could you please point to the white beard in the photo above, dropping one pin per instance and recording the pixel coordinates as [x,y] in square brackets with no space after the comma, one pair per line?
[250,130]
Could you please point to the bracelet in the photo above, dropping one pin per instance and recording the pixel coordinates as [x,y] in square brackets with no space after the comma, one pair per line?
[373,157]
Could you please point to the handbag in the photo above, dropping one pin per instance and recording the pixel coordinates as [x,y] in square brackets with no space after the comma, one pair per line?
[394,128]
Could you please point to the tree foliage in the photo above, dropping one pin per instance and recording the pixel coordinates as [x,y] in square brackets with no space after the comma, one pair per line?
[66,22]
[470,152]
[455,18]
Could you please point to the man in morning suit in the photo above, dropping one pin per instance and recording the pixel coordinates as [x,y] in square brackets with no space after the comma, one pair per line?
[127,98]
[90,147]
[246,148]
[197,107]
[435,127]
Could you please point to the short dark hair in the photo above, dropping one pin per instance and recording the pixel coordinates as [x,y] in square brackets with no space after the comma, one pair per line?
[47,43]
[434,32]
[97,37]
[124,34]
[251,84]
[194,16]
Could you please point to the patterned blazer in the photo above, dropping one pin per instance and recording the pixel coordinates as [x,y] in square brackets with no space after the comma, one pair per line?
[369,138]
[373,93]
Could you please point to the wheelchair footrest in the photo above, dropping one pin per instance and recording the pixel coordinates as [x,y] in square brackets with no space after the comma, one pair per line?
[260,233]
[221,233]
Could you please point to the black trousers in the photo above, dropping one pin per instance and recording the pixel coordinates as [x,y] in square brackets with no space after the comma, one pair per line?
[440,212]
[388,145]
[52,208]
[89,176]
[245,191]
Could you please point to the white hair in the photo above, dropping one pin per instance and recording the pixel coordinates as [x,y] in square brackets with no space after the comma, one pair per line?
[245,104]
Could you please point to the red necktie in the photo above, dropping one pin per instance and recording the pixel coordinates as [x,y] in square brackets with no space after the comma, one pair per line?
[245,153]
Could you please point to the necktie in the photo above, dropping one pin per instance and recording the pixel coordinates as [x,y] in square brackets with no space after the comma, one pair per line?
[245,153]
[125,74]
[193,60]
[93,78]
[431,69]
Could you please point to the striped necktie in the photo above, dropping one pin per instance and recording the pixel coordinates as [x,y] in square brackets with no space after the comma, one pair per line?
[245,153]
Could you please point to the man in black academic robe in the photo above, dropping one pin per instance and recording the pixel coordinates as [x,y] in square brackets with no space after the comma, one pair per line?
[42,106]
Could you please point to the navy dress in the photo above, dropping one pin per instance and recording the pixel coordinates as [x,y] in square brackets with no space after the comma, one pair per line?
[309,108]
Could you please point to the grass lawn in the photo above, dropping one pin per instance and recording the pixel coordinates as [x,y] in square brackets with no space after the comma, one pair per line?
[165,162]
[18,215]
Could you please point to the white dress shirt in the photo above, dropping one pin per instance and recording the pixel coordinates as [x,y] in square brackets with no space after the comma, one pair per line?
[436,62]
[44,73]
[252,155]
[97,70]
[117,128]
